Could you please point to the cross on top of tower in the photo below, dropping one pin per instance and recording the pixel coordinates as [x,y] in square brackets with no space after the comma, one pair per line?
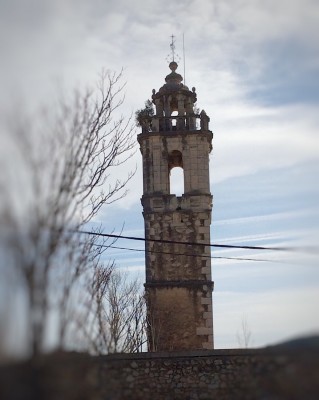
[172,46]
[173,56]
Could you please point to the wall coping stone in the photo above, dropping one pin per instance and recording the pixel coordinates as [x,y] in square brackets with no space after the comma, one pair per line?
[266,351]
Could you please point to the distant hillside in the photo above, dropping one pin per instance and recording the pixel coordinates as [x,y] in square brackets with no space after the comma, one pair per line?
[309,342]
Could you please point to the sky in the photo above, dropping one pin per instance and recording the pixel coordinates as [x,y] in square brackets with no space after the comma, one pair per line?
[255,66]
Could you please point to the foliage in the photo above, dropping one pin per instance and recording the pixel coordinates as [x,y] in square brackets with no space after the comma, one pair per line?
[144,114]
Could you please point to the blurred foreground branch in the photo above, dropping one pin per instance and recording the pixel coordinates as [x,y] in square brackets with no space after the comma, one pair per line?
[66,162]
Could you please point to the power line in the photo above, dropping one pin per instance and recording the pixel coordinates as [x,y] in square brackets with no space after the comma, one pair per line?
[185,254]
[227,246]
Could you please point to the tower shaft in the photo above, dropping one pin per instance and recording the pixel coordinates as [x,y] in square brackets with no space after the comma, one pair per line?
[178,265]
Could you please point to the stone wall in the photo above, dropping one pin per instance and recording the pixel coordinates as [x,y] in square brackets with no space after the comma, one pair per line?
[221,374]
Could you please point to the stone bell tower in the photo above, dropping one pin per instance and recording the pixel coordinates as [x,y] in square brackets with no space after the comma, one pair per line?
[178,266]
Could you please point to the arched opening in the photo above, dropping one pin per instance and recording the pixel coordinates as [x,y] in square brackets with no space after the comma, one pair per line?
[176,181]
[174,121]
[176,173]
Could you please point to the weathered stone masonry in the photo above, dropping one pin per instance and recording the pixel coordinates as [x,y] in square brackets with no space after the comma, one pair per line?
[178,276]
[265,374]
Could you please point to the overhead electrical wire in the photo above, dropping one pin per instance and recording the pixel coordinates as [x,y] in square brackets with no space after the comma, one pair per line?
[188,255]
[227,246]
[185,243]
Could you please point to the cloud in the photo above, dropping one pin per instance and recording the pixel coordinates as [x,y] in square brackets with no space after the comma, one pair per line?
[245,144]
[268,217]
[272,316]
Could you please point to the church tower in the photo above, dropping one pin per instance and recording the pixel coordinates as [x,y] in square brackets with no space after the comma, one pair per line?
[178,265]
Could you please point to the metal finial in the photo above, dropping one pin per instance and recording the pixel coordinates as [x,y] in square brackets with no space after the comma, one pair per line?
[172,46]
[173,56]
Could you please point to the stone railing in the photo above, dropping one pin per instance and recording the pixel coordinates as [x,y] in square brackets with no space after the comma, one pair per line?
[176,123]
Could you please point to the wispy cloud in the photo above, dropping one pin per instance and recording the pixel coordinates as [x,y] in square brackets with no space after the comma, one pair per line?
[278,314]
[268,217]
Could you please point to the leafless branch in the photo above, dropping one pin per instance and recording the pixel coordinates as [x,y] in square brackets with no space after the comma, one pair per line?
[67,163]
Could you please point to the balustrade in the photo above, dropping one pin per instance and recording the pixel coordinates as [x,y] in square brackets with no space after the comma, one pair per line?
[176,123]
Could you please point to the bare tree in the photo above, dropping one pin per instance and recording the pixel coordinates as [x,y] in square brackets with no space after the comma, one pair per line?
[66,161]
[154,324]
[73,278]
[120,313]
[244,335]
